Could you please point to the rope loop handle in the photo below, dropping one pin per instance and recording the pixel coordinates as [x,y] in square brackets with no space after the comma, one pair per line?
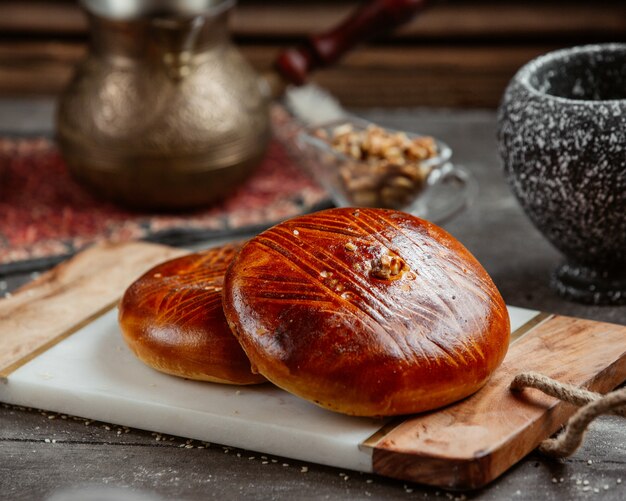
[591,406]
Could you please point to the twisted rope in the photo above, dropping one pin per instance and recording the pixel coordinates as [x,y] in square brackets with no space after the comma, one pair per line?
[591,406]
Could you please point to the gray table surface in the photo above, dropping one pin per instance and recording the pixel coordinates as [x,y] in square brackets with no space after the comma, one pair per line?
[43,454]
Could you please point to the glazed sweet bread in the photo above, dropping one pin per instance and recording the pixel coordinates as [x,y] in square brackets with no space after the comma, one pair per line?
[367,312]
[172,319]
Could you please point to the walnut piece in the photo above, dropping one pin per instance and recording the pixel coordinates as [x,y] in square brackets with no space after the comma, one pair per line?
[384,169]
[388,267]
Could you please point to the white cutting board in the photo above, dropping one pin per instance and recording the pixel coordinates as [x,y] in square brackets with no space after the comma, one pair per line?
[93,374]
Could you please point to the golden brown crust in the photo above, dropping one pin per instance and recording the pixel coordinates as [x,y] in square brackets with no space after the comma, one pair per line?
[366,312]
[172,319]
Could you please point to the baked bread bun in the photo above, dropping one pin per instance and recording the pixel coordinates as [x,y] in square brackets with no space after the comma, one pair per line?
[368,312]
[172,319]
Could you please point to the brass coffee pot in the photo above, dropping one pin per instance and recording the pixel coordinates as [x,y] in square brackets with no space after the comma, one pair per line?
[164,113]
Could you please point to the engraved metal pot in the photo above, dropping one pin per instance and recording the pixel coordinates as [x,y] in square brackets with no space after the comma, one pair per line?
[163,113]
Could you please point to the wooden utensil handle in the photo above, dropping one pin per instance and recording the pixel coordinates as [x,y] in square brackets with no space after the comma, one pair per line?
[318,51]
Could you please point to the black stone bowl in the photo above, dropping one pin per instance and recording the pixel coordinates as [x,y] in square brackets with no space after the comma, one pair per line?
[562,138]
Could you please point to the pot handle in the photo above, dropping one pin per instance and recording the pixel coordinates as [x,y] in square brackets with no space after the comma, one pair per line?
[318,51]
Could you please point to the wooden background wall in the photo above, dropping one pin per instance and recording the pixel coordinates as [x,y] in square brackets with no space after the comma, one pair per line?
[459,53]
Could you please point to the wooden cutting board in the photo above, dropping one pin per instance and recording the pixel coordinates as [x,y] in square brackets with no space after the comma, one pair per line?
[61,350]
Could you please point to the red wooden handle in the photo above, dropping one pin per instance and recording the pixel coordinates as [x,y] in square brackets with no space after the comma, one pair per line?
[324,49]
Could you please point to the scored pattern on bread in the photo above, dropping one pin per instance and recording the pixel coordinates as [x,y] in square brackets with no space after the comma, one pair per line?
[366,311]
[172,319]
[187,288]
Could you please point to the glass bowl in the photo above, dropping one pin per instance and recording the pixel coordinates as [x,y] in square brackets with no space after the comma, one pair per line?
[434,188]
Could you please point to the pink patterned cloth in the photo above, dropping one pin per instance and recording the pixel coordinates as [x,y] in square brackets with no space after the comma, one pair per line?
[46,216]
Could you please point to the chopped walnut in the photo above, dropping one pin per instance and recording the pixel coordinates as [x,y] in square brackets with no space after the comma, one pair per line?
[388,267]
[386,169]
